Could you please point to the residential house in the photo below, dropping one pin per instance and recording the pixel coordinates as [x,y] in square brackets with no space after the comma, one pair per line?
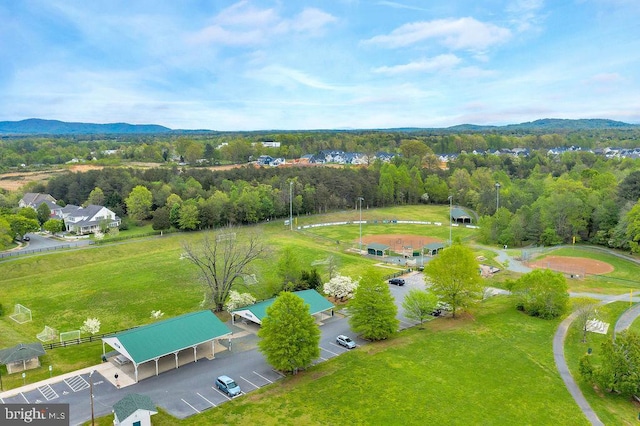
[34,199]
[87,220]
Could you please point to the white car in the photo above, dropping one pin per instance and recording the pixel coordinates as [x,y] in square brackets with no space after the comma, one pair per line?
[345,341]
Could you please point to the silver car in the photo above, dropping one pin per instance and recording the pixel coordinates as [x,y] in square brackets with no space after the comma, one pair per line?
[345,341]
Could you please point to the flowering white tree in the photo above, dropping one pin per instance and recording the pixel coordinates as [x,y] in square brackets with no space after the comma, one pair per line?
[340,287]
[157,314]
[91,326]
[238,300]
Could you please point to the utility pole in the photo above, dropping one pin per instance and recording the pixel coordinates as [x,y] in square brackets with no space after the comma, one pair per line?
[291,205]
[93,422]
[361,200]
[497,196]
[450,220]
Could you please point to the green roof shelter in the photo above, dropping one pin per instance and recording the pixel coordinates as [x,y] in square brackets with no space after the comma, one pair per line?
[460,216]
[154,341]
[376,249]
[433,248]
[134,410]
[258,311]
[23,356]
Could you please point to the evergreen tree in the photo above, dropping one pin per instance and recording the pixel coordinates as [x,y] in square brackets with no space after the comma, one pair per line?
[373,311]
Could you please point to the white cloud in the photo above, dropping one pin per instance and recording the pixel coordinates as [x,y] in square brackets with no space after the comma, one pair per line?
[457,34]
[525,14]
[277,75]
[397,5]
[438,63]
[243,24]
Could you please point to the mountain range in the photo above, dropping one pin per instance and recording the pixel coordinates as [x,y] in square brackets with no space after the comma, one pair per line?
[36,126]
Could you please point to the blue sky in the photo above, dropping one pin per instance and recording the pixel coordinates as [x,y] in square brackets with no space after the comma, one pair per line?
[252,65]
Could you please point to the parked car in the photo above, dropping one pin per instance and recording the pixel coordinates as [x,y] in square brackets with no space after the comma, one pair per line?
[396,281]
[26,238]
[345,341]
[227,385]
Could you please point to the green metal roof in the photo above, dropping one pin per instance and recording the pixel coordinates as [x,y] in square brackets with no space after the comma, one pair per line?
[434,246]
[377,246]
[165,337]
[457,213]
[317,303]
[132,403]
[21,352]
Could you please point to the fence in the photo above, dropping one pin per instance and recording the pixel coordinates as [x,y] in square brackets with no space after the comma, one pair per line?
[33,251]
[89,339]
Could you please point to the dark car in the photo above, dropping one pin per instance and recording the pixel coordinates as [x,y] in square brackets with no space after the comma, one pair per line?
[26,238]
[396,281]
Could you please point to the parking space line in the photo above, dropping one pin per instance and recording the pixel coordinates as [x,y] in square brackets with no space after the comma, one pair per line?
[1,400]
[194,408]
[220,392]
[260,375]
[278,373]
[327,350]
[206,399]
[337,345]
[25,398]
[76,383]
[324,359]
[257,387]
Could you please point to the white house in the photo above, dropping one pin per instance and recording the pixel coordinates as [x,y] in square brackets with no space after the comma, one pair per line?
[86,220]
[134,410]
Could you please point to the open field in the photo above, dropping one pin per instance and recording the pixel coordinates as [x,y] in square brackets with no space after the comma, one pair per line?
[472,369]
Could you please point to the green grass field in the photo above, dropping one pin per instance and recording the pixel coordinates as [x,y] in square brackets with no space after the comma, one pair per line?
[494,368]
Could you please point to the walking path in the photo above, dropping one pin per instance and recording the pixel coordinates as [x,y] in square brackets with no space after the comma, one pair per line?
[625,320]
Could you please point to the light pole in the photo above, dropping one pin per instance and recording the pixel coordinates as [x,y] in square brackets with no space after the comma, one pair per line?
[291,205]
[450,220]
[91,392]
[497,196]
[360,199]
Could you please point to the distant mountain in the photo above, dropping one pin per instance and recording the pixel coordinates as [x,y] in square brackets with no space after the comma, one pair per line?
[36,126]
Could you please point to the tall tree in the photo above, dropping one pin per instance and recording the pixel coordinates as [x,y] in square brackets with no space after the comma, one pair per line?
[585,308]
[373,311]
[96,197]
[455,277]
[289,336]
[53,226]
[139,203]
[44,213]
[289,268]
[222,259]
[418,304]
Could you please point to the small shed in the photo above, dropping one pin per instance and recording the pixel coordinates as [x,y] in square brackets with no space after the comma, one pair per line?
[376,249]
[460,216]
[433,248]
[23,356]
[134,410]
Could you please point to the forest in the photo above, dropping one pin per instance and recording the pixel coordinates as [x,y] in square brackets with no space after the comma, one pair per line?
[517,200]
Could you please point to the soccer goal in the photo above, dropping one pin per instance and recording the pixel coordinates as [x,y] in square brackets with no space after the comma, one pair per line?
[47,334]
[21,314]
[69,335]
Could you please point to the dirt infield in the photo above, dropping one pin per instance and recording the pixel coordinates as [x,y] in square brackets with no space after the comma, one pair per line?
[568,264]
[399,241]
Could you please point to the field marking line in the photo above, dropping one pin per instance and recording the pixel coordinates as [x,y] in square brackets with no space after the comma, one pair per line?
[257,387]
[194,408]
[260,375]
[205,399]
[327,350]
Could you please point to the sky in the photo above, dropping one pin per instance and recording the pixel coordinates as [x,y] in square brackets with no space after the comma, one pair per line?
[330,64]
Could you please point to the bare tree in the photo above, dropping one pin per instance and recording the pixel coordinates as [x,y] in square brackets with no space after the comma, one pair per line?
[587,309]
[223,259]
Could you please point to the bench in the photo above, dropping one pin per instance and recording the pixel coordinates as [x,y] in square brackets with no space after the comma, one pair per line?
[121,359]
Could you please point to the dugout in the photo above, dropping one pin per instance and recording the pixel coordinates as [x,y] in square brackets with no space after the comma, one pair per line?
[21,357]
[432,249]
[376,249]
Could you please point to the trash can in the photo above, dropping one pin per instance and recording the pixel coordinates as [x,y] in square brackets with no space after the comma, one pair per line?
[589,351]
